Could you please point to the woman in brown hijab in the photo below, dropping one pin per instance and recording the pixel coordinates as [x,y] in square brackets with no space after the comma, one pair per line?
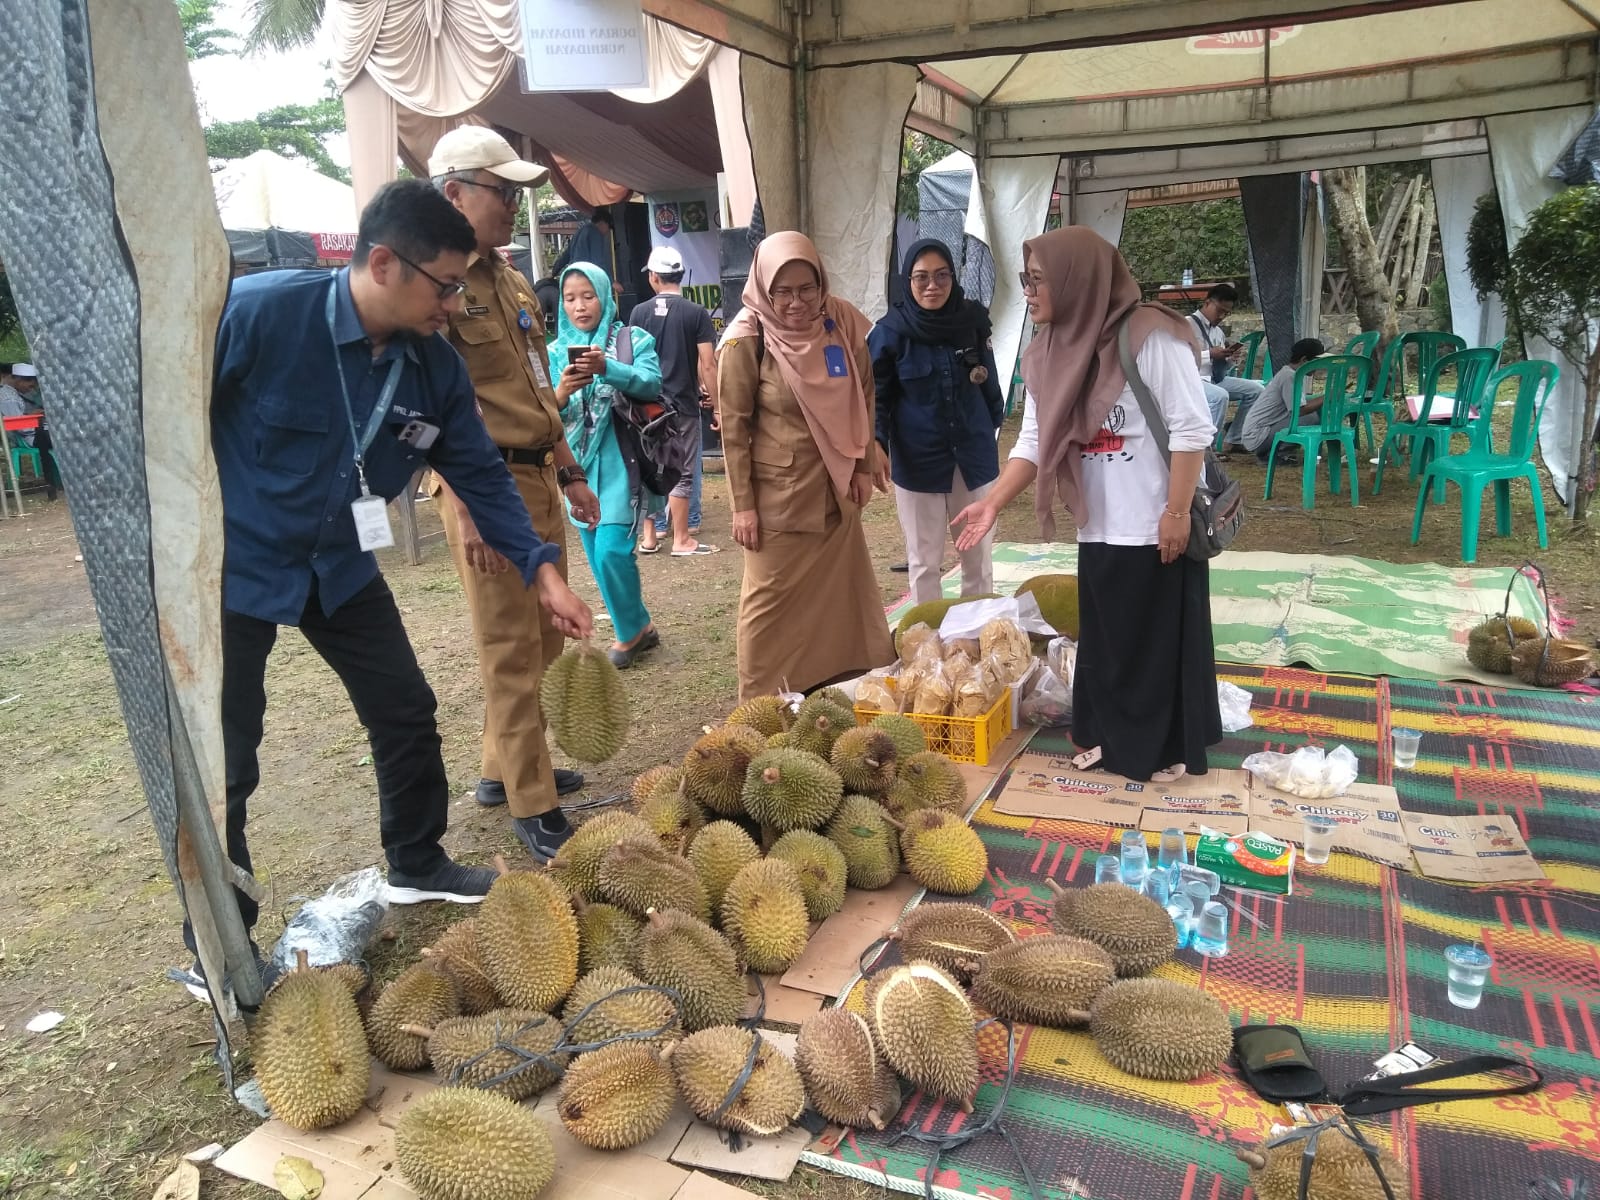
[794,380]
[1144,700]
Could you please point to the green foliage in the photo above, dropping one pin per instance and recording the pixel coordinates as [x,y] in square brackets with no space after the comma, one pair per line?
[1555,271]
[13,347]
[283,24]
[1439,302]
[201,36]
[292,130]
[918,152]
[1488,264]
[1208,235]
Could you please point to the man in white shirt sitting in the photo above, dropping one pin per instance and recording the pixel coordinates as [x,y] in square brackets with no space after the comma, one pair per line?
[1218,358]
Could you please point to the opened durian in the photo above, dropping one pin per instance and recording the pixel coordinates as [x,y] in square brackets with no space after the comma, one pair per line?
[924,1025]
[847,1078]
[708,1066]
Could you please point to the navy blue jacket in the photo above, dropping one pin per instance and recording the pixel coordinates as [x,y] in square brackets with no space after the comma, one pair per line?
[932,416]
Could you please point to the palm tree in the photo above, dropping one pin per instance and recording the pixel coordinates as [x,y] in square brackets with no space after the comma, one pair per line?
[202,38]
[283,24]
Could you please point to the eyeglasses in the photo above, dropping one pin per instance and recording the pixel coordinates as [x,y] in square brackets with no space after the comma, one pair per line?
[447,291]
[509,192]
[921,279]
[1030,283]
[805,294]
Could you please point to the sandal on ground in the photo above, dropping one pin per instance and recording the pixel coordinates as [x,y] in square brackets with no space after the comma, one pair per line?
[1086,760]
[650,549]
[1171,775]
[702,548]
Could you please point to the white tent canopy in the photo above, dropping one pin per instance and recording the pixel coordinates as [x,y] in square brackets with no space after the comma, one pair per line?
[268,191]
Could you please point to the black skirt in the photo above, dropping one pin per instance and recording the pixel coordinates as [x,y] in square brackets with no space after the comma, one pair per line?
[1145,691]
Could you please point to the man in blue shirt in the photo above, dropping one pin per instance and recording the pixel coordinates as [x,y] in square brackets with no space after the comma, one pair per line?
[328,388]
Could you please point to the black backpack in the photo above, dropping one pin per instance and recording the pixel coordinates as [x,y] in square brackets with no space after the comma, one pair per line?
[647,432]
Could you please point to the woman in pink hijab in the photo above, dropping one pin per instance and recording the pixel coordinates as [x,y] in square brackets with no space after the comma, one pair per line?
[794,385]
[1144,700]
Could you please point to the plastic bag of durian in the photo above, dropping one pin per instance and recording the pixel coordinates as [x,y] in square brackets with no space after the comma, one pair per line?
[969,697]
[935,693]
[1004,643]
[878,691]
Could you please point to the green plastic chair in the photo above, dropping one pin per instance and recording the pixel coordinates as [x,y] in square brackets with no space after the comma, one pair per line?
[1480,466]
[1256,348]
[1360,410]
[1344,376]
[18,454]
[1364,344]
[1425,437]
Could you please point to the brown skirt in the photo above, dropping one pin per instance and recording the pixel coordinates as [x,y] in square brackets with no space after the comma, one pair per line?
[810,612]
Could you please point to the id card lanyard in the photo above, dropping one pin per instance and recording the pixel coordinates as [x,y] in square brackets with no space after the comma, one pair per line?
[370,513]
[833,354]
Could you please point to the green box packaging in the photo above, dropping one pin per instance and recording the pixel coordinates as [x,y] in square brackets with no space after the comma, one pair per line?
[1249,860]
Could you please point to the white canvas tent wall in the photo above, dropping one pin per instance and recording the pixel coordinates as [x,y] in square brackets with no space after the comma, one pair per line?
[268,191]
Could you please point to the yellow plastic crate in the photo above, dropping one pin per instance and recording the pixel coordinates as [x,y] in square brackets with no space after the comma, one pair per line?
[962,739]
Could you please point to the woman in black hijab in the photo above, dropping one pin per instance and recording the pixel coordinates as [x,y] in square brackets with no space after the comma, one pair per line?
[939,408]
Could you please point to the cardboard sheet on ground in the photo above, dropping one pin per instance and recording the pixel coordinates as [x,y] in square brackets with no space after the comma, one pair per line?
[1470,849]
[1369,817]
[832,957]
[1044,785]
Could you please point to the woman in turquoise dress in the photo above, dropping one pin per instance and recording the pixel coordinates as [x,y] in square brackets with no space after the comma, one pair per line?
[586,392]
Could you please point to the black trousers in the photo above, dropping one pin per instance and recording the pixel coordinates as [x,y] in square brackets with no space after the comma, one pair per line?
[367,647]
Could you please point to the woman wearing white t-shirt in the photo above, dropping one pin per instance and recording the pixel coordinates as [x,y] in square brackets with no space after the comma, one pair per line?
[1144,701]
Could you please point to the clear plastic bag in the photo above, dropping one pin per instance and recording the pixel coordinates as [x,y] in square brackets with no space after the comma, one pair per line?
[968,697]
[1310,772]
[1043,697]
[1234,702]
[934,693]
[876,690]
[1062,656]
[339,924]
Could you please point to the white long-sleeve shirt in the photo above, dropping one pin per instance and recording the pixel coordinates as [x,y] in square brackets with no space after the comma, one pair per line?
[1124,476]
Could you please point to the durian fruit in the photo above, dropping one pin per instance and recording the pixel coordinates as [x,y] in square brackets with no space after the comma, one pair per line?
[821,868]
[931,613]
[607,937]
[422,996]
[764,915]
[871,848]
[865,759]
[779,740]
[847,1078]
[836,695]
[679,952]
[789,789]
[1340,1170]
[1048,980]
[614,1014]
[927,780]
[528,940]
[1058,601]
[497,1052]
[638,874]
[818,724]
[585,704]
[951,859]
[951,936]
[717,854]
[925,1027]
[673,817]
[707,1065]
[1158,1029]
[716,765]
[767,715]
[646,782]
[617,1096]
[457,952]
[909,739]
[461,1144]
[1128,925]
[353,975]
[576,865]
[310,1049]
[921,821]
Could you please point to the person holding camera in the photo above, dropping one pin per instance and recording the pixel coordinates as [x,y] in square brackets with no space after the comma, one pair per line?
[939,408]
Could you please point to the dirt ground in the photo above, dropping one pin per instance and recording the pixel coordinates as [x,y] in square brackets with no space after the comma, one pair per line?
[103,1105]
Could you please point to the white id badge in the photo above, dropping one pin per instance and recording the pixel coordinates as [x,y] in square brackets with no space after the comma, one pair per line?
[372,522]
[539,372]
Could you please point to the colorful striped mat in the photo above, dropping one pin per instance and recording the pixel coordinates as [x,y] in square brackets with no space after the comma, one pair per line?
[1355,958]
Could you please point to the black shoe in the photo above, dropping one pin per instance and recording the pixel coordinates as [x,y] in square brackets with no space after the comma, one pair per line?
[448,881]
[900,568]
[195,979]
[623,659]
[491,793]
[543,835]
[567,782]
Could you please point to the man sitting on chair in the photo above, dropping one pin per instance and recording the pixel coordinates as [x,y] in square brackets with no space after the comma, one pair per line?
[1270,412]
[1218,359]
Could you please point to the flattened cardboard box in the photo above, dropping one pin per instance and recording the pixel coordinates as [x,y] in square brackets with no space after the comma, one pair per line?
[1369,818]
[1470,849]
[1048,786]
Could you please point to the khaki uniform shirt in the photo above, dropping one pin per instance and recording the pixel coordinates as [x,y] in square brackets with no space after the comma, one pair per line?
[509,367]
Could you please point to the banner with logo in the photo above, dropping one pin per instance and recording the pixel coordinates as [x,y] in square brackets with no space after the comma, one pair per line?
[687,221]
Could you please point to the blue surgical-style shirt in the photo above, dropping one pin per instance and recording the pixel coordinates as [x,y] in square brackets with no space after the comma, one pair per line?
[287,461]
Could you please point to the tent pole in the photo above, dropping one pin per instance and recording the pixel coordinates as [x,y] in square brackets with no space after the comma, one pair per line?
[802,152]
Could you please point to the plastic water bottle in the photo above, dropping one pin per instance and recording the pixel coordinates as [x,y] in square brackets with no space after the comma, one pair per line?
[1188,276]
[1135,859]
[1107,869]
[1211,931]
[1181,910]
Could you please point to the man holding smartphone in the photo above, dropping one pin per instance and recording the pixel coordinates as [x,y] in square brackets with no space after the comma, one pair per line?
[1218,358]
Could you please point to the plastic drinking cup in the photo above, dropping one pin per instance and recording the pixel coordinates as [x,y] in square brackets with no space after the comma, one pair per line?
[1468,968]
[1158,886]
[1210,880]
[1135,858]
[1211,931]
[1182,914]
[1199,895]
[1107,869]
[1318,837]
[1406,742]
[1174,850]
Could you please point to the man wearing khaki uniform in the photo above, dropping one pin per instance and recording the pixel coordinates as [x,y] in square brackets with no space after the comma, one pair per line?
[500,333]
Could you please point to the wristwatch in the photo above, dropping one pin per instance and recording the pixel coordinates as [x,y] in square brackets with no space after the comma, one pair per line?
[567,476]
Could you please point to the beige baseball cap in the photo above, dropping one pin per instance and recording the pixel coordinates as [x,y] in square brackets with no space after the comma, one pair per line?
[477,148]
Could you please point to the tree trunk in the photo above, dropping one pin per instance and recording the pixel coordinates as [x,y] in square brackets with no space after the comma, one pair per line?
[1586,445]
[1401,266]
[1399,205]
[1374,300]
[1419,255]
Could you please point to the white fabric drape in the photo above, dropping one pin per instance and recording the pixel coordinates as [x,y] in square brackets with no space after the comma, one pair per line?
[1015,196]
[1103,212]
[727,102]
[372,129]
[1457,184]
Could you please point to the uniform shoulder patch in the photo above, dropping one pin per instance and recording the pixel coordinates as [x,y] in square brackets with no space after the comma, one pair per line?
[730,343]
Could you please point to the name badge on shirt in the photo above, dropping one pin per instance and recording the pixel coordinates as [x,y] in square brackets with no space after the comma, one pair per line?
[537,364]
[477,310]
[372,522]
[419,434]
[834,357]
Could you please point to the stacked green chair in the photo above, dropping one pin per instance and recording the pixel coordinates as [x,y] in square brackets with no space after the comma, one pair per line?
[1256,351]
[1344,378]
[1433,438]
[1478,467]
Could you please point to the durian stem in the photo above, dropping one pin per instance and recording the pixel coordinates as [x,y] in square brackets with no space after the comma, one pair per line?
[302,960]
[1054,886]
[875,1119]
[1077,1017]
[900,826]
[1252,1158]
[966,1105]
[421,1031]
[500,865]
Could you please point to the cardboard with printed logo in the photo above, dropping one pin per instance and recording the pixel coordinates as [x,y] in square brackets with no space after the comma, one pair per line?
[1368,814]
[1470,849]
[1048,786]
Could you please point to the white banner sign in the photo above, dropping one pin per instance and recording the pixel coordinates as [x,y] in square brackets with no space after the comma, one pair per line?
[687,222]
[583,45]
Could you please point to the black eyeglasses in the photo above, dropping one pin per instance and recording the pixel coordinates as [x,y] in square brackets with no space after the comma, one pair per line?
[447,291]
[508,191]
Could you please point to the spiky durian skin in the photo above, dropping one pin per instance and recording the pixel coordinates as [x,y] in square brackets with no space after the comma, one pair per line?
[638,874]
[585,703]
[951,859]
[870,846]
[821,868]
[1339,1171]
[577,866]
[847,1078]
[866,760]
[423,994]
[457,951]
[646,782]
[790,789]
[460,1144]
[1158,1029]
[836,696]
[767,715]
[924,1025]
[673,816]
[717,854]
[1049,980]
[818,724]
[909,739]
[496,1052]
[1126,924]
[311,1051]
[764,915]
[706,1066]
[927,780]
[952,935]
[714,770]
[679,952]
[607,937]
[528,940]
[617,1096]
[604,1007]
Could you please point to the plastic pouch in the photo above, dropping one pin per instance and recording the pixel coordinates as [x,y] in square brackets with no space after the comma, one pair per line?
[338,925]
